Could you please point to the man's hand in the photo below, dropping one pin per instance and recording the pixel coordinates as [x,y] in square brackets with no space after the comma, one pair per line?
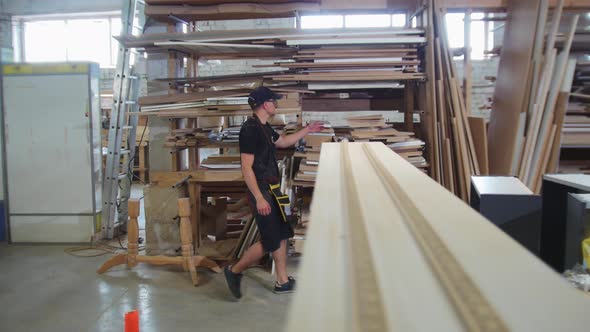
[314,127]
[262,207]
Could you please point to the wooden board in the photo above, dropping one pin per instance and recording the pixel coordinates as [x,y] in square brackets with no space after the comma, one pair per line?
[510,93]
[480,140]
[190,97]
[362,231]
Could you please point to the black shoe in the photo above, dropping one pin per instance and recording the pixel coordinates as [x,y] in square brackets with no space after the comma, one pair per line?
[234,281]
[288,287]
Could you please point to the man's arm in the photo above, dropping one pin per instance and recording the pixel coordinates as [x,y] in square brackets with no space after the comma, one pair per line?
[262,205]
[289,140]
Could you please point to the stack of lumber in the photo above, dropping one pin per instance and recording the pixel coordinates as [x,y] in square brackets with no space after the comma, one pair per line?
[230,135]
[345,66]
[212,107]
[576,129]
[385,237]
[532,91]
[311,155]
[575,139]
[275,43]
[222,161]
[205,10]
[190,137]
[372,128]
[450,147]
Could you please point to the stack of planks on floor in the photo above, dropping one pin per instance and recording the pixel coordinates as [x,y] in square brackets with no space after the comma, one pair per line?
[390,245]
[451,150]
[532,92]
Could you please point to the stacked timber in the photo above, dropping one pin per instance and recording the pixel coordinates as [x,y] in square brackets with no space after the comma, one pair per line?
[221,161]
[576,126]
[532,91]
[211,107]
[375,216]
[372,128]
[308,167]
[575,139]
[189,137]
[198,10]
[344,66]
[450,148]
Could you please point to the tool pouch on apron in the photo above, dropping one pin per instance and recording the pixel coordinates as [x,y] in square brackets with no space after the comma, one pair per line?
[282,200]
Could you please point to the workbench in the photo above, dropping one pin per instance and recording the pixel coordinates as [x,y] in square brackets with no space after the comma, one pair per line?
[201,184]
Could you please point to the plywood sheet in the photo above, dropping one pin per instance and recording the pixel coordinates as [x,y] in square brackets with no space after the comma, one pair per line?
[510,92]
[480,140]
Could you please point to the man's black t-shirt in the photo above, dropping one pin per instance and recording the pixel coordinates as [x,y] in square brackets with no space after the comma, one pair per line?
[258,139]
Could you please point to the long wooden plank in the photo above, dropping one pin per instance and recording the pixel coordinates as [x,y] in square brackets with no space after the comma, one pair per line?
[560,77]
[480,140]
[190,97]
[560,111]
[509,93]
[449,166]
[432,138]
[398,223]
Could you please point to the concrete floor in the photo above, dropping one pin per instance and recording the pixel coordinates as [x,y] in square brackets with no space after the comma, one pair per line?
[44,289]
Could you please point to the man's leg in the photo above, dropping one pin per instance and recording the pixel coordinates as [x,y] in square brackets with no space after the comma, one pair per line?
[280,258]
[251,256]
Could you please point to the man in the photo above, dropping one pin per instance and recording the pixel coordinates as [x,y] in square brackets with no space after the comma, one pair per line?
[258,143]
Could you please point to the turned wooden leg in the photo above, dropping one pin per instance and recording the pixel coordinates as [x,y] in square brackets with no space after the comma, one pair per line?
[186,237]
[132,233]
[118,259]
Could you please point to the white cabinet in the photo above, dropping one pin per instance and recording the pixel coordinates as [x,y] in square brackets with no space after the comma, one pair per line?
[53,151]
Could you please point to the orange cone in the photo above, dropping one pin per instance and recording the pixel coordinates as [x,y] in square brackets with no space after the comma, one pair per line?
[132,321]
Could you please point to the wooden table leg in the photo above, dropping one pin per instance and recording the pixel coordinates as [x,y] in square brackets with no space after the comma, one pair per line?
[186,237]
[132,233]
[130,258]
[194,190]
[142,163]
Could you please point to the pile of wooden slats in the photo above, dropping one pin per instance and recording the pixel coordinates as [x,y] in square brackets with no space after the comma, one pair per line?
[532,91]
[278,43]
[204,10]
[576,126]
[212,107]
[379,58]
[221,161]
[189,137]
[575,139]
[451,150]
[372,128]
[390,245]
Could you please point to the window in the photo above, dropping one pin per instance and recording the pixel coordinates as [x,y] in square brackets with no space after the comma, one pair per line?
[367,21]
[353,21]
[398,20]
[456,33]
[83,39]
[322,22]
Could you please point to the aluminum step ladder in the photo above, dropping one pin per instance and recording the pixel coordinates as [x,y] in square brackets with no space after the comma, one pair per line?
[126,86]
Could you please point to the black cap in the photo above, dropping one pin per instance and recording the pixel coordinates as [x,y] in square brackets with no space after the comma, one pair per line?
[260,95]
